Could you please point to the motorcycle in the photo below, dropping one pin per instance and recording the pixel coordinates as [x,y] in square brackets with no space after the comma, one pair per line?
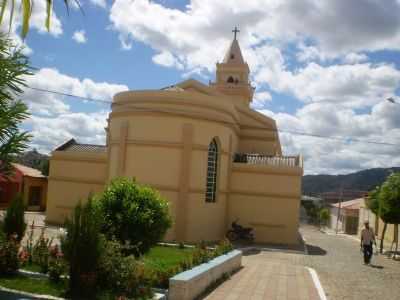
[239,232]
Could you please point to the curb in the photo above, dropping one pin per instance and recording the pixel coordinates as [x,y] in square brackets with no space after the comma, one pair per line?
[317,283]
[26,294]
[267,249]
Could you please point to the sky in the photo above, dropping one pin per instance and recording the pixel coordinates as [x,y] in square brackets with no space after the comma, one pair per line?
[319,67]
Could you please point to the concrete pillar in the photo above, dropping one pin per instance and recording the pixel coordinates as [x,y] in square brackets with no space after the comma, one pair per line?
[123,136]
[184,182]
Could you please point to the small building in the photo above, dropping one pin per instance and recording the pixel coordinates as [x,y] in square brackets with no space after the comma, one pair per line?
[345,216]
[29,182]
[203,147]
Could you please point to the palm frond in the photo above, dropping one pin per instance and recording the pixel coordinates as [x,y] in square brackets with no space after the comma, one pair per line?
[49,6]
[26,15]
[3,9]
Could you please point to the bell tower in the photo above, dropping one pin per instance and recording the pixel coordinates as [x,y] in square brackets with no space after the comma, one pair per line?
[232,76]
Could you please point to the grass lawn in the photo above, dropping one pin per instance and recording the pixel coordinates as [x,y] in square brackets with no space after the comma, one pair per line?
[163,258]
[160,258]
[33,285]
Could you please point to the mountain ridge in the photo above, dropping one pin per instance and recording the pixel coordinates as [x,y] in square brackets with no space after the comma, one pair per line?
[364,180]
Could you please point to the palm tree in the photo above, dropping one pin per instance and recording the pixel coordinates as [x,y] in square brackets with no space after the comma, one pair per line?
[26,10]
[13,67]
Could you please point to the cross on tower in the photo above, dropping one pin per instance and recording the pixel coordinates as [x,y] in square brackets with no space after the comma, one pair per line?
[235,32]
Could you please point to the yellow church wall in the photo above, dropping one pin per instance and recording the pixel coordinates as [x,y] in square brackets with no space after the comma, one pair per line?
[266,198]
[63,195]
[155,156]
[153,165]
[257,146]
[206,220]
[73,176]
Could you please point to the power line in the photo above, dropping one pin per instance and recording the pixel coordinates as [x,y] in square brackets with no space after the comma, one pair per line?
[342,139]
[346,139]
[69,95]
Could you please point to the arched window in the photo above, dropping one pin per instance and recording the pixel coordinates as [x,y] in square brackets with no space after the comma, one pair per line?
[230,79]
[212,171]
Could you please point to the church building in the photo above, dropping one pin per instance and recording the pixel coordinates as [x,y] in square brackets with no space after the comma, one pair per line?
[202,147]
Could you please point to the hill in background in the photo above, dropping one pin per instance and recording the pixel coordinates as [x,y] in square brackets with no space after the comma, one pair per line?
[35,160]
[364,180]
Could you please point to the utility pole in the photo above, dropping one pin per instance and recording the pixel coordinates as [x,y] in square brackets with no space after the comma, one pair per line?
[340,208]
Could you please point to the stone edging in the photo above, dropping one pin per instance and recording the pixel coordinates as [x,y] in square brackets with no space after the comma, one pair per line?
[26,294]
[192,283]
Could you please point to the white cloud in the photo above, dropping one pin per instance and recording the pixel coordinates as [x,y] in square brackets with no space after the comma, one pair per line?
[52,104]
[323,155]
[52,121]
[166,59]
[357,85]
[260,99]
[199,34]
[48,132]
[353,58]
[99,3]
[79,36]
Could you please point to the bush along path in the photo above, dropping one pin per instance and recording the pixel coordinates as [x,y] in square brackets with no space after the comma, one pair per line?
[94,256]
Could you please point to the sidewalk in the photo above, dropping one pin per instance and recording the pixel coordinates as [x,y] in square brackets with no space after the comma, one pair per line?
[269,277]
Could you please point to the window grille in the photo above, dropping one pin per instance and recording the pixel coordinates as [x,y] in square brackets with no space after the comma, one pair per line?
[212,170]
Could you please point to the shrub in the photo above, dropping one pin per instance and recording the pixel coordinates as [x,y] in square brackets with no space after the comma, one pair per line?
[56,265]
[9,262]
[110,263]
[14,223]
[134,214]
[82,246]
[41,252]
[324,216]
[29,244]
[124,276]
[223,247]
[201,255]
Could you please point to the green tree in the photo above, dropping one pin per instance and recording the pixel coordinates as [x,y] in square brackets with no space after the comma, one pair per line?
[374,203]
[82,246]
[26,11]
[324,216]
[13,67]
[390,201]
[14,222]
[135,215]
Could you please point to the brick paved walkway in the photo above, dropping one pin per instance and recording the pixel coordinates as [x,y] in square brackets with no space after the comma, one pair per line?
[339,265]
[269,276]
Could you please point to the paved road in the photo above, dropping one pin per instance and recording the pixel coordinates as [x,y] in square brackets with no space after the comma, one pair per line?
[339,264]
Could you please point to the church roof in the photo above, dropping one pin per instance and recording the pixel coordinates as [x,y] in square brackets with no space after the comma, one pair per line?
[234,54]
[73,146]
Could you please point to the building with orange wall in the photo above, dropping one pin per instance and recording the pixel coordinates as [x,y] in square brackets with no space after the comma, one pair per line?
[28,182]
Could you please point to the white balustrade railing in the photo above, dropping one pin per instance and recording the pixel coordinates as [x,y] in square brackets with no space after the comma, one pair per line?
[258,159]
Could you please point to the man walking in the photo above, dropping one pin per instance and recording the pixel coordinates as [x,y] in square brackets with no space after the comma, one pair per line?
[367,238]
